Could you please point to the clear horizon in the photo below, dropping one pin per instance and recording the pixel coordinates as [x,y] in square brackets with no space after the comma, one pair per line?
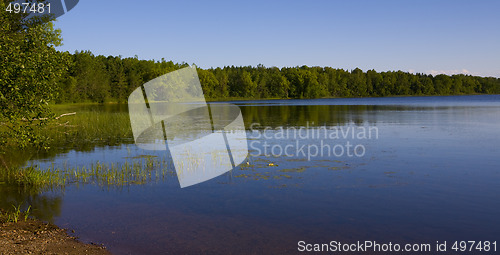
[430,37]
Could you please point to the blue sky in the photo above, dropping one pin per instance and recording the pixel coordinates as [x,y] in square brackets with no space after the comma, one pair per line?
[416,36]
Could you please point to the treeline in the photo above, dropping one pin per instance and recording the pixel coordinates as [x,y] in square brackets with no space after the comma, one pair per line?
[100,79]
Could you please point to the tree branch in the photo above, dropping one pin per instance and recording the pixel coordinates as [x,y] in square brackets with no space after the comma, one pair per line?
[62,115]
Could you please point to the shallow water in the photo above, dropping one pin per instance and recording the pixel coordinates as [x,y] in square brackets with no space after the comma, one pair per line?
[430,173]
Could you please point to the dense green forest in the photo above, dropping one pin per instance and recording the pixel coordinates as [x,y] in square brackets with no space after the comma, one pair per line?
[34,74]
[92,78]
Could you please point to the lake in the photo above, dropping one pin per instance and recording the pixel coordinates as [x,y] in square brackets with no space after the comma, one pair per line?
[406,170]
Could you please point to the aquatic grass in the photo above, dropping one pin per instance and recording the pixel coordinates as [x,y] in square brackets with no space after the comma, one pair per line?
[14,215]
[33,178]
[293,170]
[27,213]
[139,171]
[91,128]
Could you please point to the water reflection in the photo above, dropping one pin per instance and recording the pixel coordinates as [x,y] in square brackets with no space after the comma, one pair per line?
[432,174]
[338,115]
[44,206]
[99,118]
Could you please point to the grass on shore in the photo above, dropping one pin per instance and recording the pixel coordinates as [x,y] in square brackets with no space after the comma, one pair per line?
[14,215]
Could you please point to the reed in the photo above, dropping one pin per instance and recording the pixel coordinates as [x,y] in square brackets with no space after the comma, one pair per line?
[14,215]
[139,171]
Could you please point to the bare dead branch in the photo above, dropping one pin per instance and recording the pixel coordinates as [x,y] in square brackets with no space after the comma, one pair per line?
[62,115]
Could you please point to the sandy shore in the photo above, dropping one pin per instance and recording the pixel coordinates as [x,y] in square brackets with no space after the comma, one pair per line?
[37,237]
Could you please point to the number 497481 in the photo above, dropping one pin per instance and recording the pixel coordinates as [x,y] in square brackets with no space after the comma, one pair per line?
[28,8]
[474,246]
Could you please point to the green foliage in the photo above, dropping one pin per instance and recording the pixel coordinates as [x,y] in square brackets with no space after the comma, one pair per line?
[29,68]
[100,79]
[209,83]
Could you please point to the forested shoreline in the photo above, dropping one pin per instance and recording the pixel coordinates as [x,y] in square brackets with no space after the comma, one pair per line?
[102,79]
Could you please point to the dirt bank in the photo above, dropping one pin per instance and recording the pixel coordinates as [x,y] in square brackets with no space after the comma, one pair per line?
[37,237]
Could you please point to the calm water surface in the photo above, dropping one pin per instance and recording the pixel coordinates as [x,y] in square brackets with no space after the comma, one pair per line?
[431,172]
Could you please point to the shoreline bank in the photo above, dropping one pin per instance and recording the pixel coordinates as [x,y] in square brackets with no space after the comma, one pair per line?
[32,236]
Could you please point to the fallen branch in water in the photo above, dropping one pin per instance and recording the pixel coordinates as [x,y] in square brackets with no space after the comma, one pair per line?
[62,115]
[4,164]
[65,124]
[65,114]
